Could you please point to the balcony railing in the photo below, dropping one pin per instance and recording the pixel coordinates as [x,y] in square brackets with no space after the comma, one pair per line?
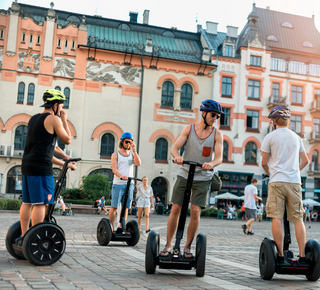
[314,167]
[315,107]
[314,137]
[277,101]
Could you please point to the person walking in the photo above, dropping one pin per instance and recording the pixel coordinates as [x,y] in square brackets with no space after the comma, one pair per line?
[250,198]
[122,167]
[201,141]
[38,157]
[283,157]
[145,200]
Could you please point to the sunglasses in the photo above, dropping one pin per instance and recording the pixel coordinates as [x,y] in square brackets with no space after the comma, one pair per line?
[127,142]
[215,115]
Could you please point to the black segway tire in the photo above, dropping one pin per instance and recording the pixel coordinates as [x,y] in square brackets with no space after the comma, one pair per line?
[13,233]
[44,244]
[267,259]
[201,249]
[104,232]
[312,250]
[133,227]
[152,250]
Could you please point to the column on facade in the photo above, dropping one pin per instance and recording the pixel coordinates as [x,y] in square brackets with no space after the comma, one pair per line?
[49,36]
[13,29]
[176,100]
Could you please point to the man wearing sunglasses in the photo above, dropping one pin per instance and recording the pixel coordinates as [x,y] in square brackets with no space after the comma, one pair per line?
[122,167]
[203,143]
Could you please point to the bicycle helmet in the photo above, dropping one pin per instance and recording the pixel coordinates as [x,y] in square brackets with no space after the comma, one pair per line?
[280,112]
[51,97]
[211,106]
[126,135]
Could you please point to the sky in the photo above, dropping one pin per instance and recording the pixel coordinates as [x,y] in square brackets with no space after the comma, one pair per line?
[176,13]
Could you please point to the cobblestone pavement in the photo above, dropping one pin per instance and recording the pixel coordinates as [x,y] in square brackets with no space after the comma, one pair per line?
[232,259]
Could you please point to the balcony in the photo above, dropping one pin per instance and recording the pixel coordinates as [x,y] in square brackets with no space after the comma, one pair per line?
[314,169]
[315,107]
[277,101]
[6,151]
[314,137]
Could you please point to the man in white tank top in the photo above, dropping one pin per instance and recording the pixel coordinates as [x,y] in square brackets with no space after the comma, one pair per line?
[122,167]
[201,140]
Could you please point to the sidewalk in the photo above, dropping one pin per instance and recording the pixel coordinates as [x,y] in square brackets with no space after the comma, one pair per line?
[232,259]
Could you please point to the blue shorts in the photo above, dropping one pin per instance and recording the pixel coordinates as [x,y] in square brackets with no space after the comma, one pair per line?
[37,189]
[118,195]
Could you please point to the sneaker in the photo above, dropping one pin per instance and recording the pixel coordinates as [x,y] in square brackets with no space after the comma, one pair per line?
[18,242]
[280,260]
[250,233]
[64,213]
[244,227]
[147,231]
[302,260]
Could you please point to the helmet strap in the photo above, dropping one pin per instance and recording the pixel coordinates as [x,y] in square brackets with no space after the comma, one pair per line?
[205,121]
[55,111]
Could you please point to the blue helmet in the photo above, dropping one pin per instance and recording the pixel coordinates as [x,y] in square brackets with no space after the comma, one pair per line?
[126,135]
[211,106]
[280,112]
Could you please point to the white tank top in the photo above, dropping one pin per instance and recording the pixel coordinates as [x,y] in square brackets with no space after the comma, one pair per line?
[125,167]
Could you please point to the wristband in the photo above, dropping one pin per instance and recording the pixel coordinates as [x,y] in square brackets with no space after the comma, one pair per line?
[134,150]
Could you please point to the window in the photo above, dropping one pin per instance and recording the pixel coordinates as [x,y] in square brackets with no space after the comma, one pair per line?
[67,95]
[1,33]
[14,180]
[228,50]
[315,160]
[104,171]
[23,37]
[252,119]
[61,144]
[316,128]
[255,60]
[167,94]
[225,117]
[316,97]
[59,43]
[21,93]
[272,38]
[30,39]
[314,69]
[66,43]
[286,25]
[38,39]
[254,89]
[307,44]
[278,64]
[225,151]
[275,92]
[251,153]
[57,88]
[20,137]
[295,123]
[296,95]
[226,87]
[107,146]
[30,97]
[161,153]
[297,67]
[186,97]
[73,45]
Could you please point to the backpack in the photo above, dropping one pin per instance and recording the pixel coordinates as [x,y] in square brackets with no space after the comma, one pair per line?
[96,204]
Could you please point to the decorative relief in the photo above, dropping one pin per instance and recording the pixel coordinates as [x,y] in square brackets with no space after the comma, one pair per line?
[116,74]
[28,61]
[64,67]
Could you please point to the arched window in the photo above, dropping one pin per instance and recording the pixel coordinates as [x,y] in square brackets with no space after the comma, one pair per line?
[61,144]
[30,97]
[251,153]
[67,95]
[59,43]
[73,45]
[30,39]
[105,171]
[315,160]
[57,88]
[56,174]
[161,153]
[167,94]
[186,96]
[225,151]
[107,146]
[14,180]
[38,39]
[20,98]
[20,137]
[23,37]
[1,33]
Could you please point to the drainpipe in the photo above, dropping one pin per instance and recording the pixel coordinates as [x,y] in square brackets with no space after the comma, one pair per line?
[140,109]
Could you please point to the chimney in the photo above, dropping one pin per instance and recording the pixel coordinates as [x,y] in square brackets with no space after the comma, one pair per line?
[146,17]
[268,7]
[212,27]
[232,31]
[133,17]
[199,26]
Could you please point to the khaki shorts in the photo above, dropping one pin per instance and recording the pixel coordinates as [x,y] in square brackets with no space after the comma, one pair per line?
[199,194]
[281,194]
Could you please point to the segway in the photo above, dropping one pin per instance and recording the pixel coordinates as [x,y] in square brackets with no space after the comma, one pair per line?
[268,257]
[128,233]
[176,260]
[44,243]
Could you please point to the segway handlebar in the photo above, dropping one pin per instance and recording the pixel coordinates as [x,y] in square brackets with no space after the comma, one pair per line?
[132,178]
[192,163]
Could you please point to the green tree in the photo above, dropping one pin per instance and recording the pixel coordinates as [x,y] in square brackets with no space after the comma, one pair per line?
[94,186]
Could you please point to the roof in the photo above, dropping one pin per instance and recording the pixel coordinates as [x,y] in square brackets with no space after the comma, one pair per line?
[273,23]
[131,37]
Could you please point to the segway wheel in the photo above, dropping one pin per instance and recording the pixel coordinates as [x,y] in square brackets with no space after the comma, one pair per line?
[104,232]
[13,233]
[201,249]
[44,244]
[53,220]
[152,250]
[267,259]
[133,227]
[312,250]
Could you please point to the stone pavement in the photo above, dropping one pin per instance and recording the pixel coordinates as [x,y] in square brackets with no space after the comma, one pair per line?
[232,259]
